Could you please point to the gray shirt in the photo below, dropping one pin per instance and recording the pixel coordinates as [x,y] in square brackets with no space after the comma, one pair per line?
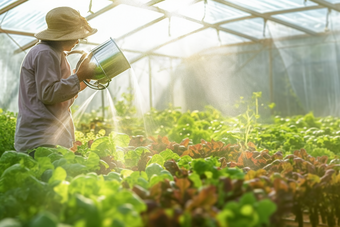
[47,90]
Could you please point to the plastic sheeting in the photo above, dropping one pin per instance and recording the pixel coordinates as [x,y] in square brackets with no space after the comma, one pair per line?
[298,72]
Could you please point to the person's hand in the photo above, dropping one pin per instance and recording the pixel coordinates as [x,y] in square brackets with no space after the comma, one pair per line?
[83,85]
[86,69]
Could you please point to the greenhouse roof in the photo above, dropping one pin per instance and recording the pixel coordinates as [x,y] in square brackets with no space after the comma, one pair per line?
[163,27]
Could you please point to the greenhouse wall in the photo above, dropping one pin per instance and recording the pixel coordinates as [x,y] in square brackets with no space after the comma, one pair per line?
[298,74]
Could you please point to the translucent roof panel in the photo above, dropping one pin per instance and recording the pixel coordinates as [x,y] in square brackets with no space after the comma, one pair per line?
[21,40]
[212,12]
[276,30]
[199,41]
[119,21]
[5,3]
[174,6]
[252,27]
[158,34]
[312,19]
[1,17]
[142,1]
[264,6]
[333,1]
[30,18]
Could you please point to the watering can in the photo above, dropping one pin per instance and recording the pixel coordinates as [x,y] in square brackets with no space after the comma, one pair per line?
[109,61]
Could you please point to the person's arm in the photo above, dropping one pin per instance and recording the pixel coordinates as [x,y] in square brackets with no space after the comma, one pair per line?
[51,88]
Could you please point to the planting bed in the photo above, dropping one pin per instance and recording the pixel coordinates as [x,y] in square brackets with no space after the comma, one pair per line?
[197,169]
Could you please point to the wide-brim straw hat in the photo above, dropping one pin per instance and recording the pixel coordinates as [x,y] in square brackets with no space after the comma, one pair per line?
[65,23]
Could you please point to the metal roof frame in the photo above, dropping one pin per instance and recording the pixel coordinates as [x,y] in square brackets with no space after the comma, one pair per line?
[150,6]
[266,17]
[11,6]
[327,4]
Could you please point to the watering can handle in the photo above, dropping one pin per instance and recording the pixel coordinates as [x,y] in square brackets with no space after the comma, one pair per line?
[83,53]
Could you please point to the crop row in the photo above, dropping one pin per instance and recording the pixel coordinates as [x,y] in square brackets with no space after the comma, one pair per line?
[117,180]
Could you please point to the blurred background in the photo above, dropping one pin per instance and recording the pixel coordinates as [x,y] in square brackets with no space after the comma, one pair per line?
[193,53]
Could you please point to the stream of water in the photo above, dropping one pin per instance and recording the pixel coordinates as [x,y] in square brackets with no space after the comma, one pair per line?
[110,113]
[113,113]
[81,110]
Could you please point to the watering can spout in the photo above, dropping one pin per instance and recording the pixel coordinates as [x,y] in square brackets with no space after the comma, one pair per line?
[109,61]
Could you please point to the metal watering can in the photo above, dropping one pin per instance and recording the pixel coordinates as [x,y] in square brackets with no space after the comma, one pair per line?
[109,61]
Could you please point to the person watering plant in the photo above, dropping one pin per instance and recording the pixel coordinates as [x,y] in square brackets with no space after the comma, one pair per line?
[47,86]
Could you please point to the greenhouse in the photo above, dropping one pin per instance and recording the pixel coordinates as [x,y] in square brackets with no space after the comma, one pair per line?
[174,113]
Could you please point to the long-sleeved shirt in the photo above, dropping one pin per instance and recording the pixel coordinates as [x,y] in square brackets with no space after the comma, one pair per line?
[47,90]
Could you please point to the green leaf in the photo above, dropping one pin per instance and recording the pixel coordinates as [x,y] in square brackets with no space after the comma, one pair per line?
[58,176]
[195,178]
[120,139]
[59,162]
[152,169]
[156,159]
[13,177]
[155,179]
[265,209]
[74,169]
[185,162]
[92,162]
[103,146]
[86,185]
[43,152]
[44,219]
[113,176]
[89,210]
[169,154]
[54,156]
[248,198]
[223,216]
[62,190]
[201,166]
[44,164]
[126,172]
[233,173]
[247,210]
[132,157]
[9,158]
[137,178]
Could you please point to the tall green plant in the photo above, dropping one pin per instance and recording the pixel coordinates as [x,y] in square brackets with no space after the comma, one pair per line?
[7,125]
[249,118]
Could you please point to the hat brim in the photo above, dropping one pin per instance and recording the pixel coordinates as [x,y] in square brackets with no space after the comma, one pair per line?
[52,35]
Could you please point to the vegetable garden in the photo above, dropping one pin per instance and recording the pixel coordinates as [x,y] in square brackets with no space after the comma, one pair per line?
[191,169]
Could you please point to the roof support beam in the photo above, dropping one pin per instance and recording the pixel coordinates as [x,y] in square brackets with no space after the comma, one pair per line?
[90,17]
[11,6]
[141,27]
[266,17]
[294,10]
[149,6]
[149,52]
[216,26]
[13,32]
[114,4]
[103,10]
[327,4]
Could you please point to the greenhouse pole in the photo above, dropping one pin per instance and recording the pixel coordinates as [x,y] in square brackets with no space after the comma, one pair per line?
[150,83]
[171,84]
[271,75]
